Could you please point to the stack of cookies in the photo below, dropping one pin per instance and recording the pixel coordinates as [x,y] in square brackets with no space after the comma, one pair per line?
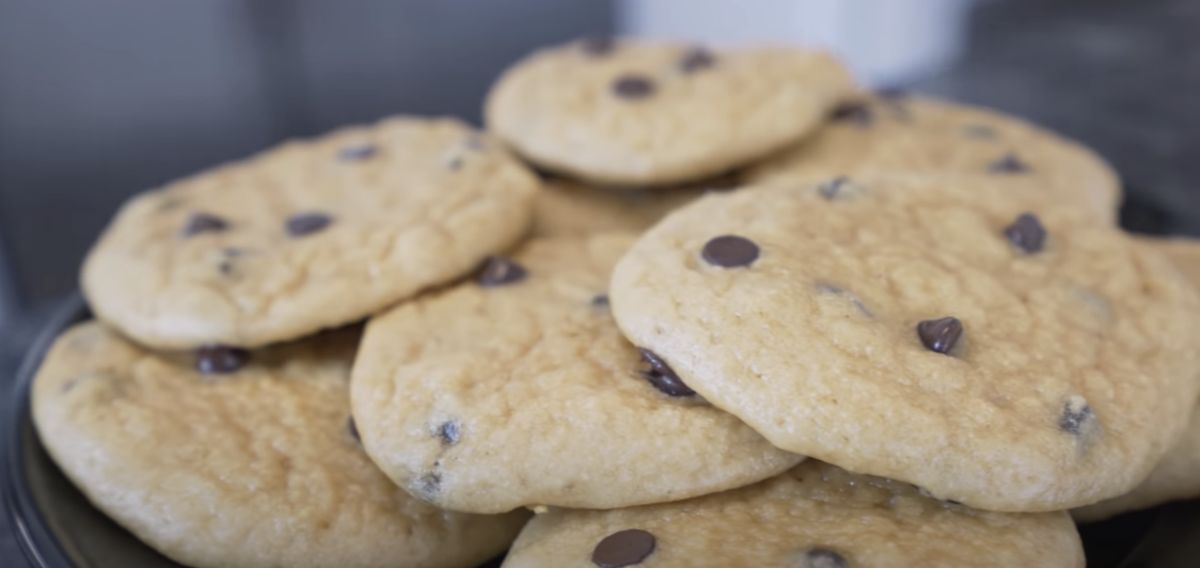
[675,307]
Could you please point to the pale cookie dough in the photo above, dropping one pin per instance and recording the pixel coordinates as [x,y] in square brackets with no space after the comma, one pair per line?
[564,208]
[517,389]
[309,235]
[255,466]
[923,135]
[1013,358]
[633,112]
[814,516]
[1177,476]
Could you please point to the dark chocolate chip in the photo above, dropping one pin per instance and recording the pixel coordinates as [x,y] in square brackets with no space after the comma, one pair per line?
[730,251]
[823,558]
[1008,164]
[600,300]
[1026,233]
[632,86]
[448,432]
[225,267]
[697,59]
[353,429]
[662,376]
[979,131]
[357,152]
[940,335]
[1077,416]
[220,359]
[304,224]
[200,222]
[856,112]
[623,548]
[498,271]
[597,45]
[430,483]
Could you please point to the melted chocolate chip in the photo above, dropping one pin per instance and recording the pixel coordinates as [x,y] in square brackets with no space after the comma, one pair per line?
[498,271]
[633,86]
[730,251]
[1026,233]
[823,558]
[597,45]
[940,335]
[304,224]
[220,359]
[357,152]
[1077,417]
[1008,164]
[623,548]
[448,432]
[352,428]
[856,112]
[662,376]
[200,222]
[600,300]
[697,59]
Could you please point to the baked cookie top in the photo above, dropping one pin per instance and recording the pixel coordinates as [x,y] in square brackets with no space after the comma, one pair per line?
[814,516]
[635,112]
[254,463]
[516,388]
[309,235]
[912,134]
[944,334]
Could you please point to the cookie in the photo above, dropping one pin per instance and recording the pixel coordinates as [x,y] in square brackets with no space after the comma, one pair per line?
[628,112]
[309,235]
[814,516]
[943,334]
[254,463]
[912,134]
[565,208]
[516,388]
[1175,477]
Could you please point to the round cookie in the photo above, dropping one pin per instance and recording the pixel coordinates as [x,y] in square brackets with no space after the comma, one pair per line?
[924,330]
[517,389]
[814,516]
[563,208]
[924,135]
[256,466]
[633,112]
[1176,476]
[309,235]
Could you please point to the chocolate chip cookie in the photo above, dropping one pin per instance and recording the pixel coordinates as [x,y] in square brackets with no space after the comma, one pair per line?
[814,516]
[309,235]
[516,389]
[911,134]
[1005,354]
[233,458]
[640,113]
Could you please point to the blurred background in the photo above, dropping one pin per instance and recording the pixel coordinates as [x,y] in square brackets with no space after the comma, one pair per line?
[99,100]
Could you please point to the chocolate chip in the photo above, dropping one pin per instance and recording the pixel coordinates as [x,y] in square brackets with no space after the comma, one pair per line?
[597,45]
[979,131]
[1026,233]
[448,432]
[840,187]
[304,224]
[823,558]
[623,548]
[730,251]
[1008,164]
[498,271]
[1077,417]
[430,483]
[353,429]
[357,152]
[662,376]
[856,112]
[200,222]
[220,359]
[633,86]
[600,300]
[940,335]
[697,59]
[225,267]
